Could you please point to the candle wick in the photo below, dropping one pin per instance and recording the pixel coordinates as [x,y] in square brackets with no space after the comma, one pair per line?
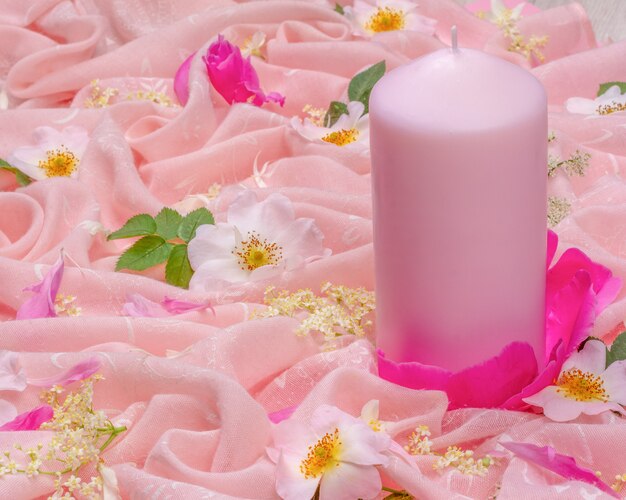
[454,36]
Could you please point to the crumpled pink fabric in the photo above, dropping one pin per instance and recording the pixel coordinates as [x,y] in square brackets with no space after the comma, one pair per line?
[195,391]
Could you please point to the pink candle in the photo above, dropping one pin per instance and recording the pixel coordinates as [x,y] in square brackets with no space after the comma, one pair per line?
[459,147]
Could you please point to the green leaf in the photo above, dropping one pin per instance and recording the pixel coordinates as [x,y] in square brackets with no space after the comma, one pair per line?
[362,84]
[335,110]
[139,225]
[200,216]
[146,252]
[339,8]
[618,350]
[21,178]
[606,86]
[167,222]
[178,270]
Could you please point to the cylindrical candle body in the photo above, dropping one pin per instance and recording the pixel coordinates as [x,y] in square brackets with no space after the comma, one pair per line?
[459,151]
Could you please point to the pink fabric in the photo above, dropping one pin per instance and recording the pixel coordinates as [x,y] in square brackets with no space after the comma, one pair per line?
[195,390]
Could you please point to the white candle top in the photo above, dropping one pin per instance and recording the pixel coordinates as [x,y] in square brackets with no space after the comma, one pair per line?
[458,90]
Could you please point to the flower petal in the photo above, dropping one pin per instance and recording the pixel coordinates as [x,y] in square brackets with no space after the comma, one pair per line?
[41,305]
[76,373]
[280,415]
[110,489]
[268,217]
[349,481]
[212,241]
[592,358]
[30,420]
[615,381]
[181,80]
[12,377]
[290,482]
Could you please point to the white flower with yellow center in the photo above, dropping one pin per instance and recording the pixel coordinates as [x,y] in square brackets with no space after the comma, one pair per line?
[336,452]
[612,101]
[584,385]
[387,15]
[259,240]
[350,129]
[252,45]
[56,154]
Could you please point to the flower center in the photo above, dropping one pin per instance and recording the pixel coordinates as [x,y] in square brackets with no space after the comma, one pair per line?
[385,19]
[322,456]
[582,386]
[375,425]
[614,107]
[342,137]
[253,253]
[59,162]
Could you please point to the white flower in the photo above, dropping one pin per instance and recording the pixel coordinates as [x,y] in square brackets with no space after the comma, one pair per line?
[612,101]
[337,452]
[57,153]
[584,385]
[110,489]
[387,15]
[259,240]
[502,15]
[252,45]
[352,128]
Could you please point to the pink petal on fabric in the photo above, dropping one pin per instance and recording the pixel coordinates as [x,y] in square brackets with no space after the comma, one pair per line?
[181,80]
[12,377]
[41,305]
[485,385]
[485,6]
[280,415]
[31,420]
[175,306]
[234,77]
[138,306]
[563,465]
[76,373]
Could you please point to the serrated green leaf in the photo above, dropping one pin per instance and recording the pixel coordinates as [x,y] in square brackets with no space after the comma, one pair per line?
[606,86]
[200,216]
[335,110]
[618,350]
[21,178]
[139,225]
[178,270]
[362,84]
[146,252]
[167,222]
[339,9]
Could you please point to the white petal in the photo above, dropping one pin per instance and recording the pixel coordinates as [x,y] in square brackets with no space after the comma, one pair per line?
[581,106]
[308,130]
[611,93]
[110,489]
[290,482]
[615,381]
[212,241]
[349,481]
[362,445]
[591,359]
[267,218]
[216,274]
[300,240]
[370,411]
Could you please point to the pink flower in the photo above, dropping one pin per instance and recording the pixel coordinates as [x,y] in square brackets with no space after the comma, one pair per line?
[563,465]
[139,306]
[584,385]
[12,377]
[41,305]
[336,451]
[76,373]
[31,420]
[231,75]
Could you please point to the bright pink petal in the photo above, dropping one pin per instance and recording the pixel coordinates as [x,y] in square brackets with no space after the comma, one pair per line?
[181,80]
[234,77]
[76,373]
[175,306]
[41,305]
[485,385]
[280,415]
[563,465]
[31,420]
[12,377]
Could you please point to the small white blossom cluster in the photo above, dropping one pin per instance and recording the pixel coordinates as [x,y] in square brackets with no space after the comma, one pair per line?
[64,305]
[419,441]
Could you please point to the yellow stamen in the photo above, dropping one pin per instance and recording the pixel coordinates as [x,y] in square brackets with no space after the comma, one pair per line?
[253,253]
[375,425]
[342,137]
[59,162]
[582,386]
[322,456]
[614,107]
[386,19]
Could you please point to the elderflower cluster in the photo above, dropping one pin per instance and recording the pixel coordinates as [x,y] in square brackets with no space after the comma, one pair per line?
[419,443]
[576,164]
[342,311]
[315,115]
[558,209]
[620,481]
[64,305]
[100,98]
[80,436]
[506,20]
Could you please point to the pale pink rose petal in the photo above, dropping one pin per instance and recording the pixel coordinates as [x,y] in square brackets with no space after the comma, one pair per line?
[41,305]
[349,481]
[176,306]
[31,420]
[181,80]
[563,465]
[12,377]
[76,373]
[280,415]
[290,484]
[138,306]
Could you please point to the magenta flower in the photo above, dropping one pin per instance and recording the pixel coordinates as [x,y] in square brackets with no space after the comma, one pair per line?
[31,420]
[231,75]
[41,305]
[577,290]
[76,373]
[563,465]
